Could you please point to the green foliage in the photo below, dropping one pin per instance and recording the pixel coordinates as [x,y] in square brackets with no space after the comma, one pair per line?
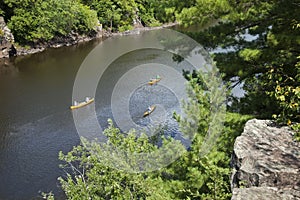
[38,21]
[203,173]
[108,12]
[125,28]
[146,11]
[287,93]
[105,171]
[250,54]
[48,196]
[261,42]
[193,176]
[203,11]
[296,128]
[35,21]
[96,180]
[85,20]
[167,10]
[109,171]
[115,14]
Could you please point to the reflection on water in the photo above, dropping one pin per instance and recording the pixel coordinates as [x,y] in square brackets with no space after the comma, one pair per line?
[36,123]
[28,156]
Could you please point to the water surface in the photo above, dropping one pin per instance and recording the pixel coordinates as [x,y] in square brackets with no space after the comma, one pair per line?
[36,122]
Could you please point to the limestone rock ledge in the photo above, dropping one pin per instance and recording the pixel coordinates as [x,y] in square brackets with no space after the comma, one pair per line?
[6,40]
[266,163]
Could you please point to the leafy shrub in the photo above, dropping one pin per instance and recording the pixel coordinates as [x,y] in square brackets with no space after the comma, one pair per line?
[192,176]
[287,93]
[125,28]
[42,20]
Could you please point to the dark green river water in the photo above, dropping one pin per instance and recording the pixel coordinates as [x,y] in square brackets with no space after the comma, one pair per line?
[36,122]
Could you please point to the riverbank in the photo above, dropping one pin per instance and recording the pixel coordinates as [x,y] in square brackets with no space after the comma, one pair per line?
[71,39]
[137,30]
[75,38]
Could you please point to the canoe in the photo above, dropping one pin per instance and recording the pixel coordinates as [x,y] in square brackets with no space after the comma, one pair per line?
[147,112]
[154,81]
[81,104]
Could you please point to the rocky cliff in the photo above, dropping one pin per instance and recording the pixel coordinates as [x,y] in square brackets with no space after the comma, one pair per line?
[6,40]
[7,48]
[266,163]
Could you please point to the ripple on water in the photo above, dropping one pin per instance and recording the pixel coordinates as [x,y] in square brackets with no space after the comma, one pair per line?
[29,161]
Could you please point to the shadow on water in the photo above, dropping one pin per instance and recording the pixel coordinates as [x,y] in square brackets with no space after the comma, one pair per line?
[36,123]
[35,120]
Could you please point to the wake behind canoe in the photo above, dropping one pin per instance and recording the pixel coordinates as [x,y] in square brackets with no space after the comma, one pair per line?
[154,81]
[148,112]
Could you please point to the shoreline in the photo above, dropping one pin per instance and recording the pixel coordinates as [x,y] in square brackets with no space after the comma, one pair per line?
[136,31]
[74,39]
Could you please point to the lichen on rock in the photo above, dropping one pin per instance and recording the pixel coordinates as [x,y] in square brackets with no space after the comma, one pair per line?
[266,163]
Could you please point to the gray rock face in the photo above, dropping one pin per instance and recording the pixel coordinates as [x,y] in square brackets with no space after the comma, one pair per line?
[6,40]
[266,163]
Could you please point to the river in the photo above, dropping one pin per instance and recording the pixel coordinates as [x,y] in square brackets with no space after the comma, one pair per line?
[36,122]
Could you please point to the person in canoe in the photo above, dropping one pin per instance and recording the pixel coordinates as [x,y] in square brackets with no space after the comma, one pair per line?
[149,110]
[87,101]
[153,81]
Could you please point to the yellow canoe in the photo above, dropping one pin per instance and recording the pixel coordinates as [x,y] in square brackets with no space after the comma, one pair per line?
[81,104]
[146,113]
[154,81]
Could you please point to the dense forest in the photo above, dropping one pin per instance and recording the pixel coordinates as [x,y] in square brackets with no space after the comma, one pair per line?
[260,40]
[41,20]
